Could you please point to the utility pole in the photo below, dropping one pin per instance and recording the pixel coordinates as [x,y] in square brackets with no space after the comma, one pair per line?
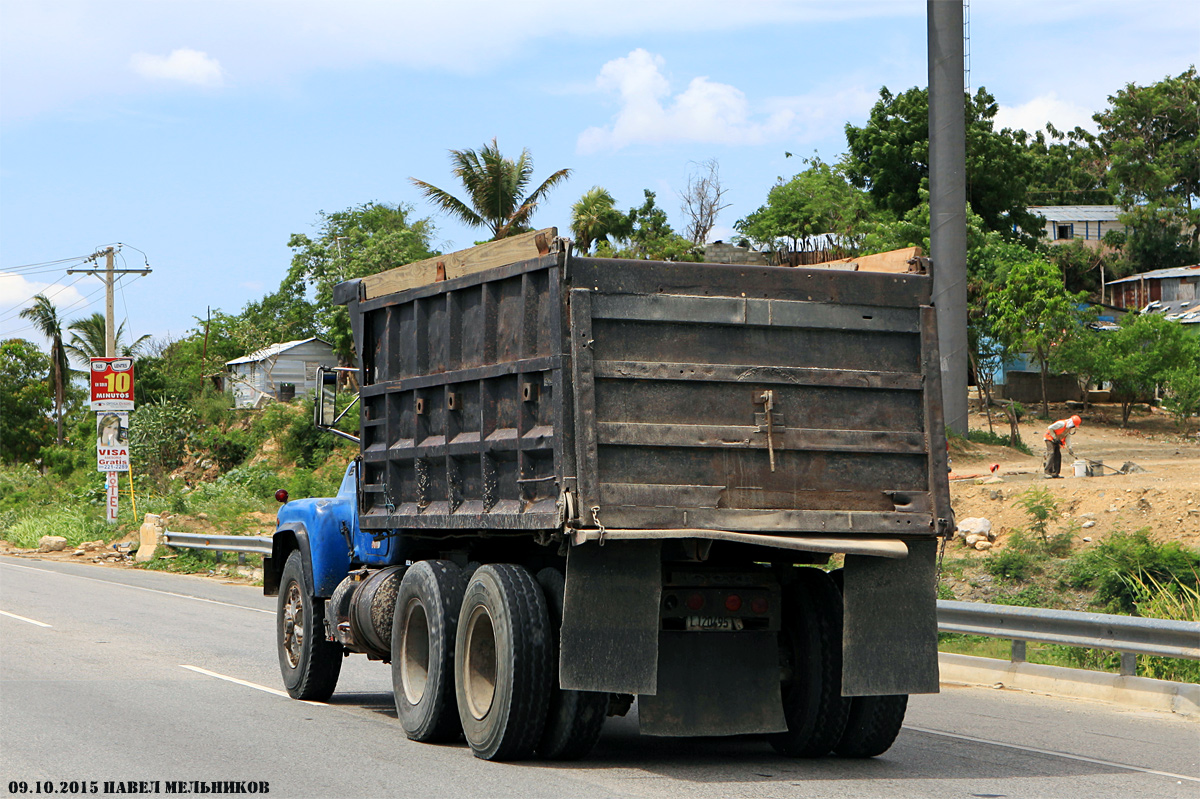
[108,275]
[110,339]
[948,202]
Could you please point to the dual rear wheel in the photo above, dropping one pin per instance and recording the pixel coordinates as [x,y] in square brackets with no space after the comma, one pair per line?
[820,720]
[477,656]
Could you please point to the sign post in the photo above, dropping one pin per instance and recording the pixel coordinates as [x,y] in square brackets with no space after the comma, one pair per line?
[112,400]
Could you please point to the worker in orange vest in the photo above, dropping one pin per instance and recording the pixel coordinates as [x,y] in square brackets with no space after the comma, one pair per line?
[1056,437]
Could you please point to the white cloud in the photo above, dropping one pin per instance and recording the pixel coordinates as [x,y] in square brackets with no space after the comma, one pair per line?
[1033,115]
[706,111]
[17,292]
[183,65]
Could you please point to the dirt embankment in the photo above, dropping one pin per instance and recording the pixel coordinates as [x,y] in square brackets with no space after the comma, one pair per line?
[1164,498]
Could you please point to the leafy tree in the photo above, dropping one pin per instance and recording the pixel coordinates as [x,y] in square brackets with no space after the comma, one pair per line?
[1152,136]
[1082,353]
[1157,238]
[651,237]
[816,206]
[45,318]
[496,187]
[1143,354]
[1182,398]
[1033,312]
[353,243]
[594,218]
[24,405]
[88,339]
[1066,168]
[889,156]
[1081,265]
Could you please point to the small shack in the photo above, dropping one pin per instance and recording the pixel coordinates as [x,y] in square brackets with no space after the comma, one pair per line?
[281,371]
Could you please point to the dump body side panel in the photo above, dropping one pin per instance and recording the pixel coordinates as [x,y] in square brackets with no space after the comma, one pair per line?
[756,399]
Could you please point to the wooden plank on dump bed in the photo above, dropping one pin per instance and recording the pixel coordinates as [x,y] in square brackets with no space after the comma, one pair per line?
[456,264]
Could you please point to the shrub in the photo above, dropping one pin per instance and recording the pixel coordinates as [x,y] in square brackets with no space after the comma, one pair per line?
[227,447]
[1010,564]
[1117,566]
[159,433]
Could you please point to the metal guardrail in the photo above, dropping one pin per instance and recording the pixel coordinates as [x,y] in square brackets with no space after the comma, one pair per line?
[1129,635]
[256,545]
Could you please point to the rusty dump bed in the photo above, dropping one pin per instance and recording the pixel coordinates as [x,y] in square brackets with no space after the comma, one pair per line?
[643,399]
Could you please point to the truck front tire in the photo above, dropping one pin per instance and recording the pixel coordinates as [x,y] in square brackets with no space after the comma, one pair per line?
[502,663]
[422,646]
[310,664]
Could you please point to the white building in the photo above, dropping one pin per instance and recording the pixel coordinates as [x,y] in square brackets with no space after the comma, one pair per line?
[279,371]
[1065,223]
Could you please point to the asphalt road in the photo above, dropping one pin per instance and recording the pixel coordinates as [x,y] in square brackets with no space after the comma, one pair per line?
[120,675]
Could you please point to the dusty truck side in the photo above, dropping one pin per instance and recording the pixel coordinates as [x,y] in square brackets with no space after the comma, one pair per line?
[586,480]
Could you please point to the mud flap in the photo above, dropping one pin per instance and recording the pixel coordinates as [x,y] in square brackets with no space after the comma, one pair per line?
[715,684]
[609,637]
[889,637]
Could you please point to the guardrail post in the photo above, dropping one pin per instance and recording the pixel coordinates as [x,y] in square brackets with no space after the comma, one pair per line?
[1128,664]
[150,534]
[1018,651]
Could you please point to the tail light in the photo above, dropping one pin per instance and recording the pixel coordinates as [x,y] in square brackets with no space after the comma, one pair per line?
[733,603]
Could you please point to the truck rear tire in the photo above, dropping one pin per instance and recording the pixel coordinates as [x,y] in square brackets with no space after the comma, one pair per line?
[873,725]
[310,664]
[502,663]
[811,653]
[574,718]
[422,648]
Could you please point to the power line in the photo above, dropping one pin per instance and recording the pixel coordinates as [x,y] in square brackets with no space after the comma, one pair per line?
[45,263]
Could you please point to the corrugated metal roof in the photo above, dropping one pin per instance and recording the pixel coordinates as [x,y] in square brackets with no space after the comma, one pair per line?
[1076,213]
[1184,311]
[273,350]
[1160,274]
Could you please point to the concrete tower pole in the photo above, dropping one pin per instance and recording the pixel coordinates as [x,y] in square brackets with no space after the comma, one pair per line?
[948,202]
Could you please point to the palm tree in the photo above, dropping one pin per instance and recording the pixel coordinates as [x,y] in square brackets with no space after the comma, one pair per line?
[495,190]
[45,318]
[594,218]
[88,339]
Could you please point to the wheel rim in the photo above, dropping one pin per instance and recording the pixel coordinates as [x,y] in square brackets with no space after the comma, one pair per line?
[479,664]
[293,625]
[414,652]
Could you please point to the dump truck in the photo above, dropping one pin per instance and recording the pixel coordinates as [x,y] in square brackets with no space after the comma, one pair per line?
[716,490]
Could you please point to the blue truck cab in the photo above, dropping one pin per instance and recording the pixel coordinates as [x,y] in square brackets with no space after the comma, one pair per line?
[326,533]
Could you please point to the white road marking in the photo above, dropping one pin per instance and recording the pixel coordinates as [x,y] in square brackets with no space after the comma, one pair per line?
[1053,753]
[253,685]
[139,588]
[22,618]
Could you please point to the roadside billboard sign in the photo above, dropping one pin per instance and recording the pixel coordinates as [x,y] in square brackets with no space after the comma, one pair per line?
[112,441]
[112,384]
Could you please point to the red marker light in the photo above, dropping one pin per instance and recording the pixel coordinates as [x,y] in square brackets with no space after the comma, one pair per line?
[281,495]
[695,601]
[759,604]
[733,603]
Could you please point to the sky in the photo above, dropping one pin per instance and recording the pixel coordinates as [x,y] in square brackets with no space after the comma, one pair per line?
[202,134]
